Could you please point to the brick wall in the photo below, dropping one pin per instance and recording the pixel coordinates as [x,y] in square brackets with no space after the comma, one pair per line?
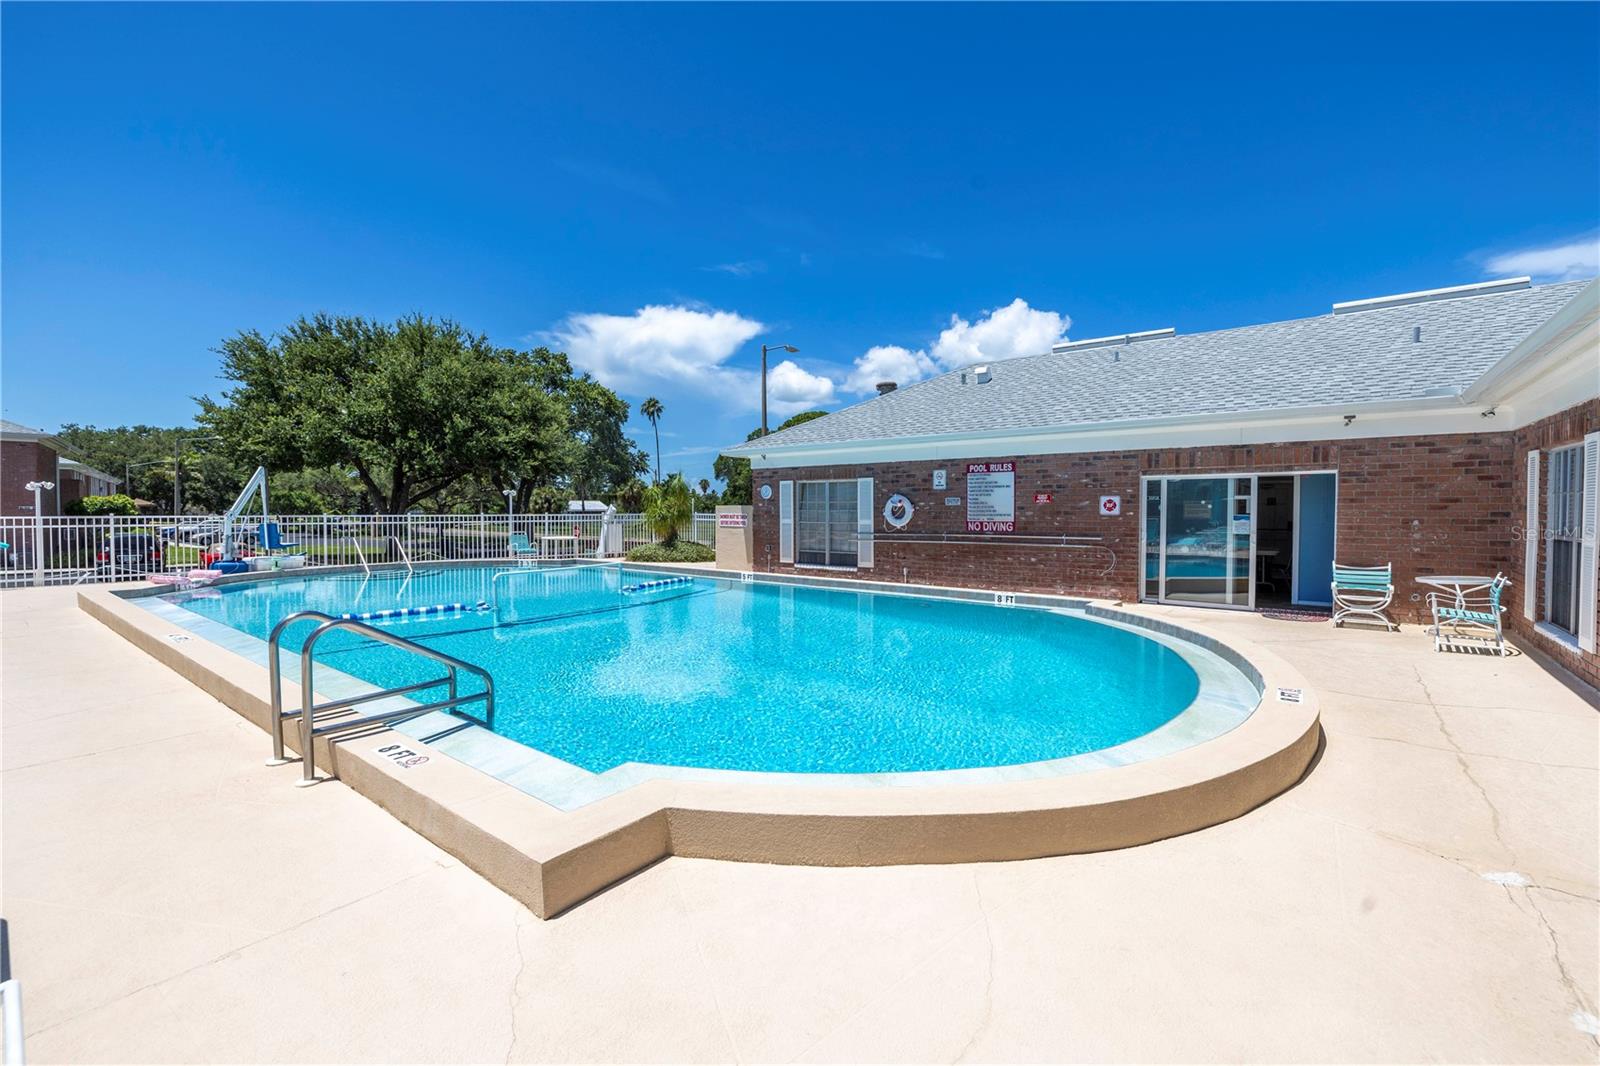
[1568,427]
[1425,504]
[20,463]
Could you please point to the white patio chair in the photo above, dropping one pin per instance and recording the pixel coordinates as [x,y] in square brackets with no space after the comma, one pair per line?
[1473,616]
[1363,592]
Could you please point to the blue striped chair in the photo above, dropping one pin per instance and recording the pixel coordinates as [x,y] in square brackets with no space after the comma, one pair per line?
[1362,592]
[1473,615]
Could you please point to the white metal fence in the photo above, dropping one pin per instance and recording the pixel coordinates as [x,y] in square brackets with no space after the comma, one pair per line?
[69,550]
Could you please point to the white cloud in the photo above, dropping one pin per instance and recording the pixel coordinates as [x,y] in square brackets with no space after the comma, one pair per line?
[1566,261]
[1013,330]
[742,269]
[656,344]
[888,362]
[791,388]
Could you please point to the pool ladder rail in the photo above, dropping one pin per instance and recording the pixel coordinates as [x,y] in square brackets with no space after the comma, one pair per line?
[327,719]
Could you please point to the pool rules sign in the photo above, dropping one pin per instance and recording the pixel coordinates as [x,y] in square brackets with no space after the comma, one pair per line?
[992,497]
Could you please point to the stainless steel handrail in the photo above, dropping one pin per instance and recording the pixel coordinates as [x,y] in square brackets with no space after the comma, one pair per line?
[356,543]
[309,710]
[409,568]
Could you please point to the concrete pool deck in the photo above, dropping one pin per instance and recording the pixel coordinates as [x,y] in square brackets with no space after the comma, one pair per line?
[1427,892]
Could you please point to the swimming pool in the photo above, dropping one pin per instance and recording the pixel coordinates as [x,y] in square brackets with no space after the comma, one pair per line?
[711,672]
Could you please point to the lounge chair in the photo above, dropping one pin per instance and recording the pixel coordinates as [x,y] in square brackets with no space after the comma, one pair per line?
[1364,592]
[521,550]
[1472,615]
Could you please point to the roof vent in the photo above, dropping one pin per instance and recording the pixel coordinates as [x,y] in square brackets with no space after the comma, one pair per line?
[886,387]
[1113,341]
[976,375]
[1455,292]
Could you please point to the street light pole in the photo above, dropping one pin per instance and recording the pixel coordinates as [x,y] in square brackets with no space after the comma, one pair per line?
[765,348]
[38,487]
[177,470]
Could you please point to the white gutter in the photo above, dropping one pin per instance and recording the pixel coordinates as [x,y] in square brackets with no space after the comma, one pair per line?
[1430,404]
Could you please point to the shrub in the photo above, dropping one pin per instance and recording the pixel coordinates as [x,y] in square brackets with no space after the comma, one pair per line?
[117,504]
[668,507]
[685,551]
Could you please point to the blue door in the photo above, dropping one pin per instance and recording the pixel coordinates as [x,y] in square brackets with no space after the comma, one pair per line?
[1313,534]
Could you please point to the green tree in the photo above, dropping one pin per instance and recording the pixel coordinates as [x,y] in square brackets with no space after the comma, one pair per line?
[668,507]
[734,472]
[630,497]
[652,409]
[412,408]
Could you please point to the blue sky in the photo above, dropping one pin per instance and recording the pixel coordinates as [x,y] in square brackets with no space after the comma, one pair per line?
[660,189]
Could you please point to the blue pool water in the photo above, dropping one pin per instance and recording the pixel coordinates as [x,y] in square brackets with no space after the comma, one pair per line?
[719,674]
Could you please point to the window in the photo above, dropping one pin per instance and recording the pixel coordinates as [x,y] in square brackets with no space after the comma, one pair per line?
[825,523]
[1563,537]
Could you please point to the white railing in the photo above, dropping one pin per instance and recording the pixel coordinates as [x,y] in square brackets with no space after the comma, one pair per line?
[69,550]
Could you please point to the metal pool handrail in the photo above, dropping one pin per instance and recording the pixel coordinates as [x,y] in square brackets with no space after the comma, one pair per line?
[308,711]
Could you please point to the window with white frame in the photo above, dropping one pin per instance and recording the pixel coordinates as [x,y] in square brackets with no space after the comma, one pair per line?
[1563,538]
[826,523]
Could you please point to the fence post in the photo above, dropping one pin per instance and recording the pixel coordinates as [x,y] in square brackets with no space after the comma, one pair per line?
[38,544]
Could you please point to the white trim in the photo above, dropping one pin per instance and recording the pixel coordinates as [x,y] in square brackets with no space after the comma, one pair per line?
[1545,345]
[1444,417]
[865,512]
[1552,632]
[786,522]
[1530,539]
[1589,551]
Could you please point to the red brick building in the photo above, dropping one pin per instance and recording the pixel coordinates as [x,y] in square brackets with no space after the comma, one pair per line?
[1455,431]
[32,455]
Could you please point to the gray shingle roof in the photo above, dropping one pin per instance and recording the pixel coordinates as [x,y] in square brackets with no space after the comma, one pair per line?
[1354,358]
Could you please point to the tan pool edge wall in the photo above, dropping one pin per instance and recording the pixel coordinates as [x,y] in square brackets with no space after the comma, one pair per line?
[550,859]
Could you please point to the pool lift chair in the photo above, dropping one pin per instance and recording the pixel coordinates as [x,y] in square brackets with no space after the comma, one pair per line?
[1363,592]
[1472,616]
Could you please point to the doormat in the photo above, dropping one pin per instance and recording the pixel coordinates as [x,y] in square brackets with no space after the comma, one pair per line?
[1286,614]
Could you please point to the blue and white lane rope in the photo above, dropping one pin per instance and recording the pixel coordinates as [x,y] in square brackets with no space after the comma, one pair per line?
[411,612]
[651,586]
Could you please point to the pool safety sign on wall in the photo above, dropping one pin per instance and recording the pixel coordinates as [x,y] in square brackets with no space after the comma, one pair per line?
[992,497]
[1110,506]
[939,479]
[732,520]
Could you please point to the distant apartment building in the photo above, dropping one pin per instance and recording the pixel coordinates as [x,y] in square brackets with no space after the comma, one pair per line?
[28,455]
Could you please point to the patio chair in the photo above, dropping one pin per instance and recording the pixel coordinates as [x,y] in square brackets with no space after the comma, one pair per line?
[1363,592]
[521,550]
[1472,615]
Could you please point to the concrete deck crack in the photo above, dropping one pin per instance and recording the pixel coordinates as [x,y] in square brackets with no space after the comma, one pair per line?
[988,984]
[1466,769]
[517,925]
[1567,980]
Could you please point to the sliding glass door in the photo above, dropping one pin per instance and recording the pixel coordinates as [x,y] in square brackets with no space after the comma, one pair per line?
[1200,540]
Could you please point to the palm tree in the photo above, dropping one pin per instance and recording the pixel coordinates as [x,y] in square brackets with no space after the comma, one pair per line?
[651,409]
[705,486]
[668,507]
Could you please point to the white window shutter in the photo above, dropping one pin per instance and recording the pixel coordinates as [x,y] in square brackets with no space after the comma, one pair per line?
[1530,540]
[1589,553]
[785,521]
[864,514]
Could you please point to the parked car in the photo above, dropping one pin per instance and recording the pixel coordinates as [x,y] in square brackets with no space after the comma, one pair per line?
[134,553]
[203,531]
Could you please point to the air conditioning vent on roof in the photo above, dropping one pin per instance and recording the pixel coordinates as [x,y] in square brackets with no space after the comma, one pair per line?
[1455,292]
